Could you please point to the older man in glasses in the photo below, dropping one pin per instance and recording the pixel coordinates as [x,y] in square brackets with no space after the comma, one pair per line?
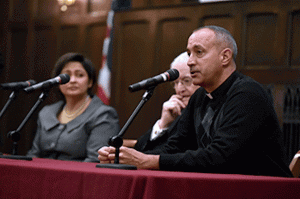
[172,108]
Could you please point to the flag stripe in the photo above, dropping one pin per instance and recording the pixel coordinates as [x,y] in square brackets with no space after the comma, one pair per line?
[104,76]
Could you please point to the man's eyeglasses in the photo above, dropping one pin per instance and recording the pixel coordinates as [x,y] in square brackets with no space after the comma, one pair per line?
[185,82]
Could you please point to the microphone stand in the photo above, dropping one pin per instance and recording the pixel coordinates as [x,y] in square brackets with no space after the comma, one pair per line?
[12,97]
[15,135]
[117,141]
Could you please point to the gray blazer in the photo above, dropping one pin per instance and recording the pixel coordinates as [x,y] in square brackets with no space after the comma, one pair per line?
[80,138]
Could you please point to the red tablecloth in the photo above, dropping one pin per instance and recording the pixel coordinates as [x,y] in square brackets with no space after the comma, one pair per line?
[43,178]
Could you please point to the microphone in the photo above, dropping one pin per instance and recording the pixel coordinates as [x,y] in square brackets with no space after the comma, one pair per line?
[169,75]
[17,85]
[60,79]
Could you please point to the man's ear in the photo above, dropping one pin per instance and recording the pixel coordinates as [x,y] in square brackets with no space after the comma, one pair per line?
[226,56]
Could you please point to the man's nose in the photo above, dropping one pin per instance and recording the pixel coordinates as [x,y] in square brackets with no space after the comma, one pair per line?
[190,61]
[181,87]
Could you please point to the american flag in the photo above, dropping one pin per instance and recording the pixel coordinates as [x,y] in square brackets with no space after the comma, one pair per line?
[103,90]
[104,77]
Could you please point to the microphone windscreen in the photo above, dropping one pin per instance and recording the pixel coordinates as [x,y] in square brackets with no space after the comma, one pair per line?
[65,78]
[31,82]
[173,74]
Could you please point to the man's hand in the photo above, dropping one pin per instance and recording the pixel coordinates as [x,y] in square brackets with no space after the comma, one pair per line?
[171,110]
[129,156]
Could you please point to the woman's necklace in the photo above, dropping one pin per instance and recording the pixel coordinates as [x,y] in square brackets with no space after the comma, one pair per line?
[75,113]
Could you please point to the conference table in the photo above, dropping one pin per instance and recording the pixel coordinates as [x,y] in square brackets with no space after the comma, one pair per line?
[46,178]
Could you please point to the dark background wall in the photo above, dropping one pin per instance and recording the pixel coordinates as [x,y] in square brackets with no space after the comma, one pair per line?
[33,34]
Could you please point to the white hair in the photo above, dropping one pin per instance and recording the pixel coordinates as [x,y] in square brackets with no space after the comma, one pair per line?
[182,58]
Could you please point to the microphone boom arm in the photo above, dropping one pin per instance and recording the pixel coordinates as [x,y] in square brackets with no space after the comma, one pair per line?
[147,95]
[15,135]
[12,97]
[117,141]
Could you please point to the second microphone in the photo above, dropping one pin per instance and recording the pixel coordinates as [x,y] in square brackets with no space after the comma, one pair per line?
[60,79]
[169,75]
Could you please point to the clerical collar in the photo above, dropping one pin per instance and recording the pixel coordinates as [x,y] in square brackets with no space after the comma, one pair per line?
[209,95]
[223,88]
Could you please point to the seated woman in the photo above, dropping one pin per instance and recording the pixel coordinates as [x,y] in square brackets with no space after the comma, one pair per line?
[78,125]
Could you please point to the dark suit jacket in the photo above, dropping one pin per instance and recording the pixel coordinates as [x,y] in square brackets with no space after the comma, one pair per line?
[144,143]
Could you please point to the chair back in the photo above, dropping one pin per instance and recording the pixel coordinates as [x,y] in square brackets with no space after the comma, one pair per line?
[295,165]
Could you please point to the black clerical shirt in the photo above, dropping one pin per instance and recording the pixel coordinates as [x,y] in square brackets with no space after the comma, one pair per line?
[244,136]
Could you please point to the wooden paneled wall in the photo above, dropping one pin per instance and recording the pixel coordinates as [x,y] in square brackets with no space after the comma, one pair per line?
[147,40]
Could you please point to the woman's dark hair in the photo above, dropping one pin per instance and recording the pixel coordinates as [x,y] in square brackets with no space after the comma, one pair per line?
[77,57]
